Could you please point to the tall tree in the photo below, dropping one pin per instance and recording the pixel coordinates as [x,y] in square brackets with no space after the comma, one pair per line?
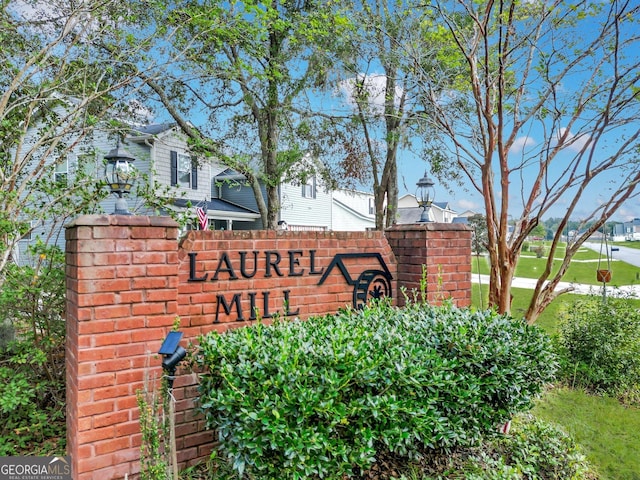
[383,89]
[552,120]
[248,69]
[56,86]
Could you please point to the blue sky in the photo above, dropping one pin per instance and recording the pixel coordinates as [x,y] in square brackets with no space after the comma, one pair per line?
[411,167]
[461,198]
[583,82]
[465,197]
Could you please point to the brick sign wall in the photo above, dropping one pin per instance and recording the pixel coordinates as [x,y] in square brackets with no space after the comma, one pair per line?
[129,280]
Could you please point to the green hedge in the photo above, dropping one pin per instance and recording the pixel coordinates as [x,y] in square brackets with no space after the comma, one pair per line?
[32,355]
[533,450]
[599,343]
[320,397]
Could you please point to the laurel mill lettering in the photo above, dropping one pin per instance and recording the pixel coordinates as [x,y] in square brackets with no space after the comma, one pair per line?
[249,305]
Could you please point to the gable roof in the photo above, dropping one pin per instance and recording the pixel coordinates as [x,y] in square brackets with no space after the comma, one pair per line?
[352,211]
[217,207]
[155,128]
[144,132]
[408,215]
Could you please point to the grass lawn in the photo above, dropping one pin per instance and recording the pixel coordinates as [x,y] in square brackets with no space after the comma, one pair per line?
[521,298]
[627,244]
[607,431]
[582,269]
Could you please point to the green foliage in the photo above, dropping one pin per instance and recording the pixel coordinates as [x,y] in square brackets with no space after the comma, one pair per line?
[32,373]
[539,250]
[27,427]
[479,239]
[322,397]
[59,80]
[533,449]
[600,343]
[281,50]
[607,431]
[155,458]
[539,231]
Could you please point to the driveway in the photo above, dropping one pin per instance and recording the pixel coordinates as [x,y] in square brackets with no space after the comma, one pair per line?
[582,289]
[626,254]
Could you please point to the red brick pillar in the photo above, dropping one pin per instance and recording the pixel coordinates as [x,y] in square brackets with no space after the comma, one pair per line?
[444,249]
[122,278]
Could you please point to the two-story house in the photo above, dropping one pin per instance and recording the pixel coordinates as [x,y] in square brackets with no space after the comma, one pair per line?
[410,212]
[308,206]
[632,230]
[169,181]
[184,181]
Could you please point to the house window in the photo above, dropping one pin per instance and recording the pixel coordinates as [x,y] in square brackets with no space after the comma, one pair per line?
[309,188]
[62,173]
[87,164]
[27,237]
[372,206]
[184,171]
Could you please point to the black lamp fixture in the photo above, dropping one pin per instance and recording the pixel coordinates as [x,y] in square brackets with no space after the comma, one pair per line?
[424,195]
[172,354]
[120,176]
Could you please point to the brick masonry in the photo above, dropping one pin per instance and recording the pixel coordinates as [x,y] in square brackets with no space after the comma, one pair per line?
[443,250]
[129,279]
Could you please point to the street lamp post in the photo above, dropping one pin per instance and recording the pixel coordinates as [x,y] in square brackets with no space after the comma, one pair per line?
[120,177]
[424,195]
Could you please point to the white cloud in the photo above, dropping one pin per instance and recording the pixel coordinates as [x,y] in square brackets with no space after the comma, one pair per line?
[53,18]
[139,113]
[571,141]
[626,214]
[41,11]
[521,143]
[466,204]
[375,87]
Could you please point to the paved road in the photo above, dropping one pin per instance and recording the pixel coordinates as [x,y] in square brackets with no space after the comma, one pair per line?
[582,289]
[626,254]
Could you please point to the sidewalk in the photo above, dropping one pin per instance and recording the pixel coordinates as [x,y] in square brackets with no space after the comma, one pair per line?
[520,282]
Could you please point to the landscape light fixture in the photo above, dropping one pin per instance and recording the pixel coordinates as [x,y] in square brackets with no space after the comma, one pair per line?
[119,174]
[172,354]
[424,195]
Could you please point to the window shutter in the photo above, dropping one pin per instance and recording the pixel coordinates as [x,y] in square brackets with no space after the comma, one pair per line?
[314,186]
[174,168]
[194,175]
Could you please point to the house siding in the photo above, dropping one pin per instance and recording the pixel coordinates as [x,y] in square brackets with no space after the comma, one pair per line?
[299,211]
[161,150]
[97,144]
[152,159]
[240,194]
[344,220]
[351,211]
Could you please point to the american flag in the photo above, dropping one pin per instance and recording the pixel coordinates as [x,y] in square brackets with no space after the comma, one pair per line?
[202,218]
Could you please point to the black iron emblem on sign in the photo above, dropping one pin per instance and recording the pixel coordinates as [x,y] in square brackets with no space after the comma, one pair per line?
[370,284]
